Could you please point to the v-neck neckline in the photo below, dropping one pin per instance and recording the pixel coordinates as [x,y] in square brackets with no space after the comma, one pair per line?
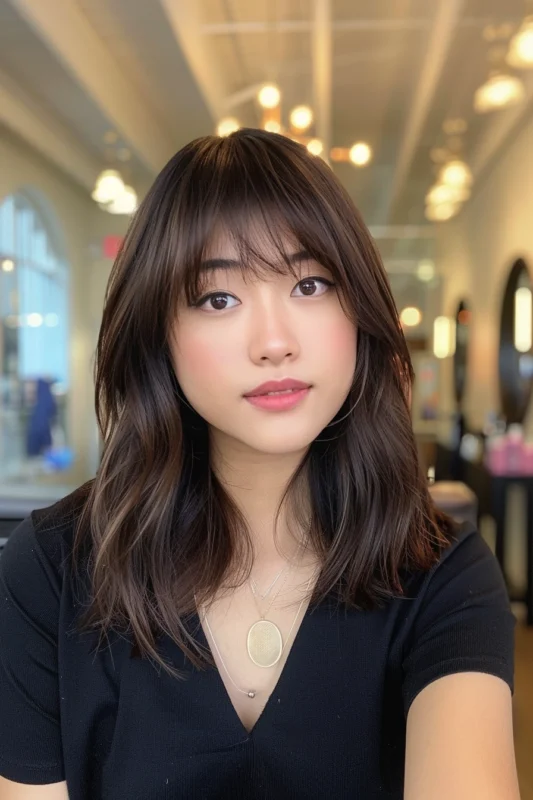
[296,650]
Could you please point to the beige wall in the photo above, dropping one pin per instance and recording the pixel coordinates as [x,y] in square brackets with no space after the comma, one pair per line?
[475,253]
[83,225]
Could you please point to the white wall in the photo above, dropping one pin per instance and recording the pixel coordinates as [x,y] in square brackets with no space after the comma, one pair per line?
[83,226]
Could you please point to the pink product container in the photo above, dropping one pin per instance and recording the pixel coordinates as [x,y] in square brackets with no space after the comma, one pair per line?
[507,456]
[496,457]
[527,458]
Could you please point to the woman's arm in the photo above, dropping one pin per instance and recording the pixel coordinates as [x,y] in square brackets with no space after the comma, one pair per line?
[22,791]
[460,740]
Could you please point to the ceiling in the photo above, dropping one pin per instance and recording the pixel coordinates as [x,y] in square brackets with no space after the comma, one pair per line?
[161,72]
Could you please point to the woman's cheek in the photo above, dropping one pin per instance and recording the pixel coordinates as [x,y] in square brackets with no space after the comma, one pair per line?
[337,341]
[202,363]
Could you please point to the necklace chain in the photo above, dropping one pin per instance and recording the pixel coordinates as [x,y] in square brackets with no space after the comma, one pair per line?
[255,587]
[253,582]
[252,692]
[272,600]
[287,569]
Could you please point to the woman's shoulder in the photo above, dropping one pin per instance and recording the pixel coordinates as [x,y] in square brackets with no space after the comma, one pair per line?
[465,549]
[463,546]
[62,515]
[42,541]
[458,617]
[34,617]
[465,584]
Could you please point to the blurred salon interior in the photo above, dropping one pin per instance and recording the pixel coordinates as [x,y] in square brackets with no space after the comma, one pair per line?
[424,110]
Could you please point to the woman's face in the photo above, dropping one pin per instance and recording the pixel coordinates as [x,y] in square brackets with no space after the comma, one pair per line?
[245,331]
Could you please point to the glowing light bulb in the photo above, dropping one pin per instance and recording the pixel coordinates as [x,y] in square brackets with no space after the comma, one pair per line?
[499,91]
[109,185]
[227,125]
[269,96]
[426,270]
[520,53]
[125,203]
[447,193]
[442,212]
[315,146]
[360,154]
[301,117]
[456,174]
[411,317]
[272,126]
[34,320]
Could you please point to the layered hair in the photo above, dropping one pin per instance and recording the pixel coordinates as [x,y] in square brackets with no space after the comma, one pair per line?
[159,527]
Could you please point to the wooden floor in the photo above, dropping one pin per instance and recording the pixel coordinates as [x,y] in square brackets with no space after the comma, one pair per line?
[523,709]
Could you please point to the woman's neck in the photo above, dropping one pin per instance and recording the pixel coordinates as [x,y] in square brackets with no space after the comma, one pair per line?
[256,483]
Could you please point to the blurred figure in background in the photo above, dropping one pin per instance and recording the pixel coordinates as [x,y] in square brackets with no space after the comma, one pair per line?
[41,419]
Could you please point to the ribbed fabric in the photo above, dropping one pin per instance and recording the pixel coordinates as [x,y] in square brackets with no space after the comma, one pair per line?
[114,727]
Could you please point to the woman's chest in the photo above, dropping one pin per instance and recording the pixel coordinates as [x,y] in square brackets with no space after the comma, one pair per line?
[250,642]
[133,726]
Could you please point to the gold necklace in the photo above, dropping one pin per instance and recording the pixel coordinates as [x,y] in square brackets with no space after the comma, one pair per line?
[264,642]
[251,693]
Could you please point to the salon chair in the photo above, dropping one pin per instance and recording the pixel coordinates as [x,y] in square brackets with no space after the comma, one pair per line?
[455,499]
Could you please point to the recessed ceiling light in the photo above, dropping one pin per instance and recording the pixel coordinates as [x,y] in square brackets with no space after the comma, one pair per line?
[269,96]
[411,317]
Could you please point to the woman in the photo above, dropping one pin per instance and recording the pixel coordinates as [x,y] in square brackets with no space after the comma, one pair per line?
[255,597]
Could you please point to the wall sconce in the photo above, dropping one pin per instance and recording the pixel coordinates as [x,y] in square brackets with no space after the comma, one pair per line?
[444,337]
[523,319]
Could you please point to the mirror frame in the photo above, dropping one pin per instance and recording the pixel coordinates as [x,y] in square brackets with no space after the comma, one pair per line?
[460,357]
[515,389]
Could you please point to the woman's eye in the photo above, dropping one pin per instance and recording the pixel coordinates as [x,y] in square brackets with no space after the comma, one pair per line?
[218,301]
[313,287]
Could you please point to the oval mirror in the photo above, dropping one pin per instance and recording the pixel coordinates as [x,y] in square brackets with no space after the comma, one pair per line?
[460,358]
[516,339]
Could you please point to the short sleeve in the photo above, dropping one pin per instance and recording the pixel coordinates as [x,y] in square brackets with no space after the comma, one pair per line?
[464,621]
[30,733]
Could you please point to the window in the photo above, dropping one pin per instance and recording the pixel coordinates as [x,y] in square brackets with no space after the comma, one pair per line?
[34,335]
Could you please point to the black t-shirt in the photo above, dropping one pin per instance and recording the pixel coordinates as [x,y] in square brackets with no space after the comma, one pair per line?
[114,727]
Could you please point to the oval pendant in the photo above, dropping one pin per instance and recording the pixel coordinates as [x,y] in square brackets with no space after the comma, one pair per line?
[265,643]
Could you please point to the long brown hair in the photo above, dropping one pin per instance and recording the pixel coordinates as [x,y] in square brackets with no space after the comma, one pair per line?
[161,528]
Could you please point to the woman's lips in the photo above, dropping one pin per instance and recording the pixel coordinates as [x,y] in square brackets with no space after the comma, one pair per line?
[279,400]
[277,386]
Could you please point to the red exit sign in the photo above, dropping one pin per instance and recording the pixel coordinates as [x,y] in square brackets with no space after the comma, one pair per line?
[111,245]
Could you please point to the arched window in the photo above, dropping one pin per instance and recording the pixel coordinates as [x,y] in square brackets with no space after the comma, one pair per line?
[34,315]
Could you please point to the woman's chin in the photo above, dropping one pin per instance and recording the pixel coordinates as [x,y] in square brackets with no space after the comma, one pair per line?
[281,443]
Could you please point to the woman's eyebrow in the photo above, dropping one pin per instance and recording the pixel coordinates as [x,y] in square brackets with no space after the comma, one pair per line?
[230,263]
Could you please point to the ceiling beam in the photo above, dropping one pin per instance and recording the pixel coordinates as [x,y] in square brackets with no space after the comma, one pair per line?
[242,96]
[64,29]
[439,42]
[34,124]
[184,21]
[322,68]
[374,25]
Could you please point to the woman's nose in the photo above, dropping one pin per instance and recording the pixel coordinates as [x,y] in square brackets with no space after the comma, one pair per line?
[272,337]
